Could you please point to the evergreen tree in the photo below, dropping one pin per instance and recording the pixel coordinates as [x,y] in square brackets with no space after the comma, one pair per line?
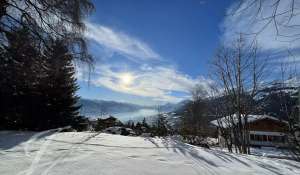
[161,126]
[36,74]
[38,90]
[59,87]
[130,124]
[20,64]
[144,123]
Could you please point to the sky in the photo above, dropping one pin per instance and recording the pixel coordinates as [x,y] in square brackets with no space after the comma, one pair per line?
[152,52]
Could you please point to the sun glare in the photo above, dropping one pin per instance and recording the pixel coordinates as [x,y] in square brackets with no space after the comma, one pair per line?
[126,79]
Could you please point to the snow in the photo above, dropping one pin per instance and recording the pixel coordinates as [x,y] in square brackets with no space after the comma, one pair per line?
[293,82]
[87,153]
[225,121]
[271,152]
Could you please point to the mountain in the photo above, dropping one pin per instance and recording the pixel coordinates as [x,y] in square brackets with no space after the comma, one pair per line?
[290,86]
[102,107]
[172,107]
[94,108]
[279,99]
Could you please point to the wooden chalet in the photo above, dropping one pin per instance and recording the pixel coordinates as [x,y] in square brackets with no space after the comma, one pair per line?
[264,130]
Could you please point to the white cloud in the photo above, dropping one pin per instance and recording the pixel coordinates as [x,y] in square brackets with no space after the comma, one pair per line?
[158,82]
[248,20]
[287,60]
[120,42]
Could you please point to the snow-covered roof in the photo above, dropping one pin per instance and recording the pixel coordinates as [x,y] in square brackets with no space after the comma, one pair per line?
[226,121]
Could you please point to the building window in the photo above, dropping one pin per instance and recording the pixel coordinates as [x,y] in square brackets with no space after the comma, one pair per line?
[251,136]
[270,138]
[260,138]
[257,138]
[264,138]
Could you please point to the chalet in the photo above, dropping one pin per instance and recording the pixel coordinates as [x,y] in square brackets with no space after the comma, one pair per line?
[264,130]
[107,122]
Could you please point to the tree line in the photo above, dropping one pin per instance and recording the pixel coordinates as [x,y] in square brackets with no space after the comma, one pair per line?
[158,127]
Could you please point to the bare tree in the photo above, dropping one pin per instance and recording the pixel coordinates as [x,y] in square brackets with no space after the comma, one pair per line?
[194,121]
[291,112]
[48,18]
[198,92]
[222,109]
[282,16]
[238,72]
[279,14]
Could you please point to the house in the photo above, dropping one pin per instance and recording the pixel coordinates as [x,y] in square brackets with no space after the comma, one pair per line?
[107,122]
[264,130]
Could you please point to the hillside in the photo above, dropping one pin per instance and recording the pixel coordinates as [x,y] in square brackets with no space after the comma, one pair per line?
[94,153]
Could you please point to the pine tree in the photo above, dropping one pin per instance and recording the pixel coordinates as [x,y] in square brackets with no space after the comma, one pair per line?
[145,126]
[161,126]
[144,123]
[37,89]
[20,64]
[60,88]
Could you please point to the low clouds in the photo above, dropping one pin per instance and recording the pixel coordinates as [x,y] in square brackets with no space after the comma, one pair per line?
[272,37]
[149,74]
[157,82]
[119,42]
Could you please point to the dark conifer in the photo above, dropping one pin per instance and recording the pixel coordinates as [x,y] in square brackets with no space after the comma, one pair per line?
[20,64]
[60,87]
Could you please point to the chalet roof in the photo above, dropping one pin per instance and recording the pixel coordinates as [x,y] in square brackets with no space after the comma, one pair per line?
[111,118]
[225,121]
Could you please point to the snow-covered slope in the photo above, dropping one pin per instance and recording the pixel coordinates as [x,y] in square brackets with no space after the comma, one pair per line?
[105,154]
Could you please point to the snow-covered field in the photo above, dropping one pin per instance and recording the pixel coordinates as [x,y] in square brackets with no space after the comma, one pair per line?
[265,152]
[28,153]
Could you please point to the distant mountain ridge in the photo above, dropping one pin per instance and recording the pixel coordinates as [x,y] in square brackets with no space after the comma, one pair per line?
[100,107]
[91,107]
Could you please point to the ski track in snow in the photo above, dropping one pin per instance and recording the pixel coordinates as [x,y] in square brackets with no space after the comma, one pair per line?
[50,153]
[62,157]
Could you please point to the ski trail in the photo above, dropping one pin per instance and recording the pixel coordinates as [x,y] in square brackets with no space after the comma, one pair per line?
[64,156]
[42,150]
[35,136]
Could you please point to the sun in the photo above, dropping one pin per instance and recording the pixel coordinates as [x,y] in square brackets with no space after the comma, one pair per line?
[126,79]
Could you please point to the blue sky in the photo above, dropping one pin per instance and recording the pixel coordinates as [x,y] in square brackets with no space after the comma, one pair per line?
[152,51]
[185,32]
